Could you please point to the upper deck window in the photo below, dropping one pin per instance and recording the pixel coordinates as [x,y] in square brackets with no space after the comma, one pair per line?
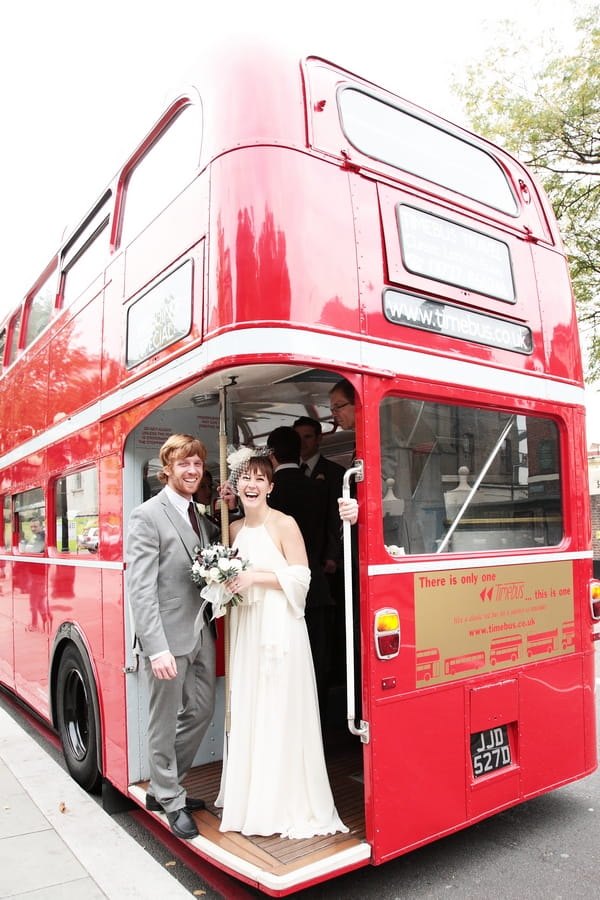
[15,331]
[39,310]
[161,316]
[400,139]
[162,172]
[84,257]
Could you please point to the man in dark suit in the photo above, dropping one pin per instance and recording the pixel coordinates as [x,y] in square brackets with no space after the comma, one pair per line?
[331,475]
[177,646]
[316,466]
[306,501]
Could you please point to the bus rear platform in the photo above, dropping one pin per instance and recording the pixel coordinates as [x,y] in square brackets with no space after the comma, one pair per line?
[277,863]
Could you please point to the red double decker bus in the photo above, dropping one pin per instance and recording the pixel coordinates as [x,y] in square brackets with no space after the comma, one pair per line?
[284,225]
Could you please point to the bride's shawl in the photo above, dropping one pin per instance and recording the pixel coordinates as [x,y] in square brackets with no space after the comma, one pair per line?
[294,581]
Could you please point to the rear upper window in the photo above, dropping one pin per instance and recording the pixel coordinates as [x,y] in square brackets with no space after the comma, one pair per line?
[401,139]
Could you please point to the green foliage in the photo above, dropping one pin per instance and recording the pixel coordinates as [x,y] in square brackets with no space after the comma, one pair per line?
[543,104]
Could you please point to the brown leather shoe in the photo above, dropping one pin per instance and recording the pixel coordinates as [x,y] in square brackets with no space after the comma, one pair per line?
[182,824]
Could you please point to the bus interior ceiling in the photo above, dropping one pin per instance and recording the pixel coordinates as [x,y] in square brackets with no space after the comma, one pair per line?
[256,400]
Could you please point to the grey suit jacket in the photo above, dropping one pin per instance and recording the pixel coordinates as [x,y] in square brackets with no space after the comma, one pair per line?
[165,602]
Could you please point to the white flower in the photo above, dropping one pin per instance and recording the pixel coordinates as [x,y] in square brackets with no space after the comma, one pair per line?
[202,509]
[213,566]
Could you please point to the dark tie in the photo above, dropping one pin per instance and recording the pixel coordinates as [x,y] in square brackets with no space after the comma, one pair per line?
[304,469]
[193,517]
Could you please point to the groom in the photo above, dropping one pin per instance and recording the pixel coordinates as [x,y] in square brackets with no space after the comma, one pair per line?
[177,646]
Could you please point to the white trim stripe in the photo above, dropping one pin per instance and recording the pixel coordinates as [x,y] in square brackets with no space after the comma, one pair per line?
[63,561]
[445,561]
[366,355]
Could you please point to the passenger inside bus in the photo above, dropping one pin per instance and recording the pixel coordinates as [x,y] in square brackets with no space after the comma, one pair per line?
[342,401]
[205,497]
[342,406]
[36,541]
[204,494]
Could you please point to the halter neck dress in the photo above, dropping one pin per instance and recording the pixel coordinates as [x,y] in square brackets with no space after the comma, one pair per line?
[274,779]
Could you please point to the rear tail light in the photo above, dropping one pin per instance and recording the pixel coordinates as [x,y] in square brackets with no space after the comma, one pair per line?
[595,608]
[595,599]
[387,633]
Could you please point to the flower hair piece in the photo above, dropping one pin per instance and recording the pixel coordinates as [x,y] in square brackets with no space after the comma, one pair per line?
[238,460]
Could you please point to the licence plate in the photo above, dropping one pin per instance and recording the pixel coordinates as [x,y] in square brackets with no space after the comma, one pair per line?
[490,750]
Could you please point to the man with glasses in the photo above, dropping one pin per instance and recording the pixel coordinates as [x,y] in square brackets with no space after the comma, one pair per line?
[341,404]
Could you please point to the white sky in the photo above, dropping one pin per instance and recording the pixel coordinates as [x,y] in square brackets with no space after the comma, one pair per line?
[82,80]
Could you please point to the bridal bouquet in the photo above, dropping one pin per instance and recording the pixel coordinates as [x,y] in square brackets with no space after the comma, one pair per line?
[213,566]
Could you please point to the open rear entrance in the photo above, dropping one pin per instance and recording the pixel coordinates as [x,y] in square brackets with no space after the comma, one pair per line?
[250,402]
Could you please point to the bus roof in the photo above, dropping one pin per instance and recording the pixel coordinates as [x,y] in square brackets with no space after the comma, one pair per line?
[253,93]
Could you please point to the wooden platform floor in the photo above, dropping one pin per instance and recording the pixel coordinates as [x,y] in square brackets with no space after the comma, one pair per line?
[282,855]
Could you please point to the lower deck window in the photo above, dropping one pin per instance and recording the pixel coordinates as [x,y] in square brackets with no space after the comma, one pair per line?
[76,504]
[30,515]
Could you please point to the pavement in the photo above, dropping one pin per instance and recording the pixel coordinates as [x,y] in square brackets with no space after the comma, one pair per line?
[57,843]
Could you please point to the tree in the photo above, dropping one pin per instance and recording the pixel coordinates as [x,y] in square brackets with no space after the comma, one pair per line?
[548,114]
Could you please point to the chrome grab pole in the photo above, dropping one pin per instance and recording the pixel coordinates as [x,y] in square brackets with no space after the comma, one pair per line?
[362,731]
[444,543]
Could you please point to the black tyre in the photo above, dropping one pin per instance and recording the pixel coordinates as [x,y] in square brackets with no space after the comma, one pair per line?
[77,714]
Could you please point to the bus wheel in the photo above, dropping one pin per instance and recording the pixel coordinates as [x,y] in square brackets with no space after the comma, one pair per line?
[76,708]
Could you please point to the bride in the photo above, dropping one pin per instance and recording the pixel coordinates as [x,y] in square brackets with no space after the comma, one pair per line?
[274,779]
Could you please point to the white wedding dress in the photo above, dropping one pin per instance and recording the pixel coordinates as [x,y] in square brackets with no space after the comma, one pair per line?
[274,779]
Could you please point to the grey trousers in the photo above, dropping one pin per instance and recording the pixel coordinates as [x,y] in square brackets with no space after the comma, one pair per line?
[180,710]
